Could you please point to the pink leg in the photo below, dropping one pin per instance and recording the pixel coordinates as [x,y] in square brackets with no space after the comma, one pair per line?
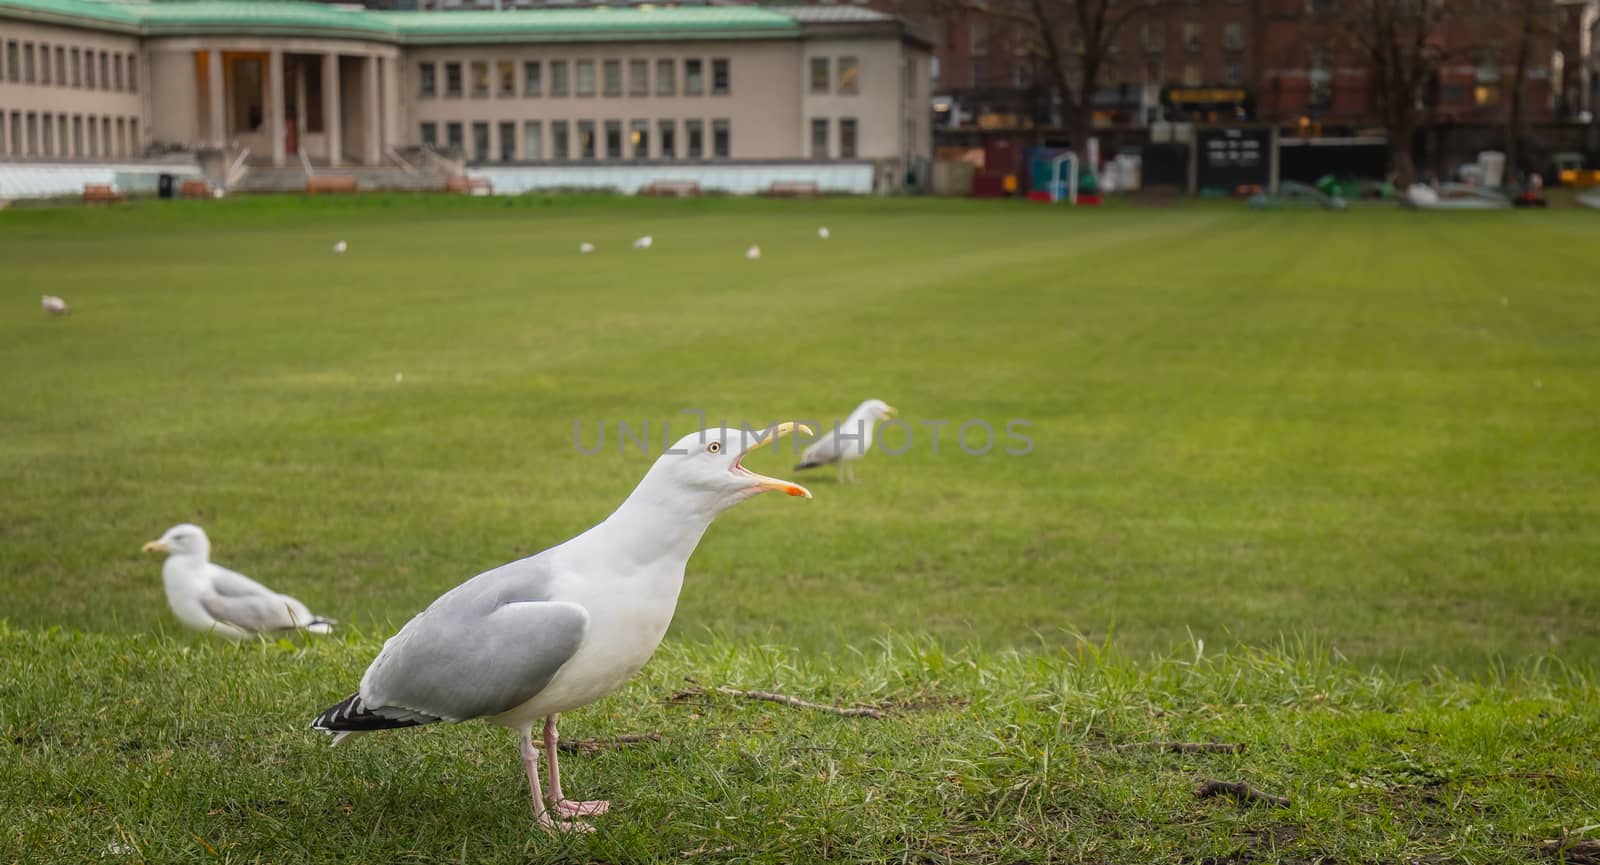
[559,803]
[530,763]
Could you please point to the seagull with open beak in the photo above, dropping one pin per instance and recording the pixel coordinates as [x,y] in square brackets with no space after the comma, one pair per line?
[520,644]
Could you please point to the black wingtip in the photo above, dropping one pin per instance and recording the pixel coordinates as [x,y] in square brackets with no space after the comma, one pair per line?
[804,466]
[350,715]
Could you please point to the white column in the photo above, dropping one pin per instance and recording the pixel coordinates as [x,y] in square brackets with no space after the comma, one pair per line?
[219,127]
[392,134]
[332,117]
[274,102]
[300,106]
[372,153]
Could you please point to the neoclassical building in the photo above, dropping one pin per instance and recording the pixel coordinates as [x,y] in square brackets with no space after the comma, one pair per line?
[88,80]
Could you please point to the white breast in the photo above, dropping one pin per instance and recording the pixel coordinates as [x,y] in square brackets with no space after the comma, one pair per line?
[185,579]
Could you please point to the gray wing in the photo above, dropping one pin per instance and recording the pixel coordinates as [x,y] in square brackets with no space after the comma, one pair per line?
[484,647]
[240,601]
[823,450]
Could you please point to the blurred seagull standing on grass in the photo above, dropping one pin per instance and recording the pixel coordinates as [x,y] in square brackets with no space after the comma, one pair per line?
[753,253]
[53,305]
[585,248]
[210,598]
[643,242]
[522,643]
[823,232]
[848,441]
[340,247]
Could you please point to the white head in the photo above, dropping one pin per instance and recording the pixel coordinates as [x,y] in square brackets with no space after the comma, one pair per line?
[702,471]
[184,539]
[874,410]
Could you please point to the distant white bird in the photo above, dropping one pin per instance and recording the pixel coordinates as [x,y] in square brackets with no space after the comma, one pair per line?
[586,248]
[753,253]
[849,441]
[643,242]
[519,644]
[340,247]
[215,600]
[218,192]
[399,377]
[823,232]
[53,305]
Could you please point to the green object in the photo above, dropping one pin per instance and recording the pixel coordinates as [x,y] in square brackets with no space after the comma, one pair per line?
[1329,185]
[210,17]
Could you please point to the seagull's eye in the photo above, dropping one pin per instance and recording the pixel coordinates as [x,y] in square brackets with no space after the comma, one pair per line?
[714,448]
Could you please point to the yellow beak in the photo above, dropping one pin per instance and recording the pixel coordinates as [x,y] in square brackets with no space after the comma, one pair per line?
[762,481]
[155,547]
[888,411]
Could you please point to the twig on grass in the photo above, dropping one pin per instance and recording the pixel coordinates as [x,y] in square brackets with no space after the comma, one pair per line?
[780,699]
[702,851]
[590,746]
[1239,790]
[1185,747]
[1574,852]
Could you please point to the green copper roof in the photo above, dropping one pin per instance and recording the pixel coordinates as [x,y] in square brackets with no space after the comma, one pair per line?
[274,17]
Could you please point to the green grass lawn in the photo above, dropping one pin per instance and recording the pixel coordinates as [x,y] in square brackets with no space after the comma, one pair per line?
[1371,439]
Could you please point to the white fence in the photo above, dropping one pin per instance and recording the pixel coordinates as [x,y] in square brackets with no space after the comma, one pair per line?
[50,180]
[849,179]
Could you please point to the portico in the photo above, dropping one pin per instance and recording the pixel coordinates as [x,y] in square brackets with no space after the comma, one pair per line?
[281,99]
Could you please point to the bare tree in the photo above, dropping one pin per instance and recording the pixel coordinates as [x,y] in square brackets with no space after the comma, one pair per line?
[1536,19]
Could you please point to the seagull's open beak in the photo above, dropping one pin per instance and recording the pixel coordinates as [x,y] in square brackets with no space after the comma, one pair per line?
[155,547]
[762,482]
[888,411]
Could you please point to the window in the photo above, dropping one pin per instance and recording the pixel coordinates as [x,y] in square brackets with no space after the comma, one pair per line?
[819,138]
[44,76]
[508,141]
[105,128]
[721,139]
[558,78]
[668,134]
[116,66]
[77,67]
[613,74]
[133,131]
[27,63]
[586,143]
[452,80]
[480,141]
[105,77]
[452,137]
[638,78]
[506,77]
[695,130]
[666,77]
[1191,75]
[133,81]
[94,144]
[122,136]
[77,135]
[48,141]
[430,134]
[585,77]
[558,140]
[1231,72]
[480,79]
[613,139]
[88,71]
[694,79]
[847,138]
[13,67]
[427,83]
[1191,37]
[721,78]
[849,75]
[61,70]
[819,75]
[1320,77]
[978,38]
[639,138]
[1233,36]
[1152,71]
[1155,35]
[532,83]
[532,140]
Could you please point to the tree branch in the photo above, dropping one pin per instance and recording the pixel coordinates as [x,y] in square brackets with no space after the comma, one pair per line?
[1239,790]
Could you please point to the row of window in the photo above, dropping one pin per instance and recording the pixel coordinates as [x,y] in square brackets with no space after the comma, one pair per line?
[1155,36]
[64,66]
[568,140]
[576,77]
[823,82]
[75,136]
[821,138]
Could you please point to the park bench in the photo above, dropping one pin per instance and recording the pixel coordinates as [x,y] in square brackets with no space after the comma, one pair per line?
[672,189]
[468,185]
[793,189]
[194,189]
[330,183]
[100,193]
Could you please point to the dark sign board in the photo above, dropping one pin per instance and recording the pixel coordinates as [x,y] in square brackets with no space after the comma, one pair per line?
[1231,157]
